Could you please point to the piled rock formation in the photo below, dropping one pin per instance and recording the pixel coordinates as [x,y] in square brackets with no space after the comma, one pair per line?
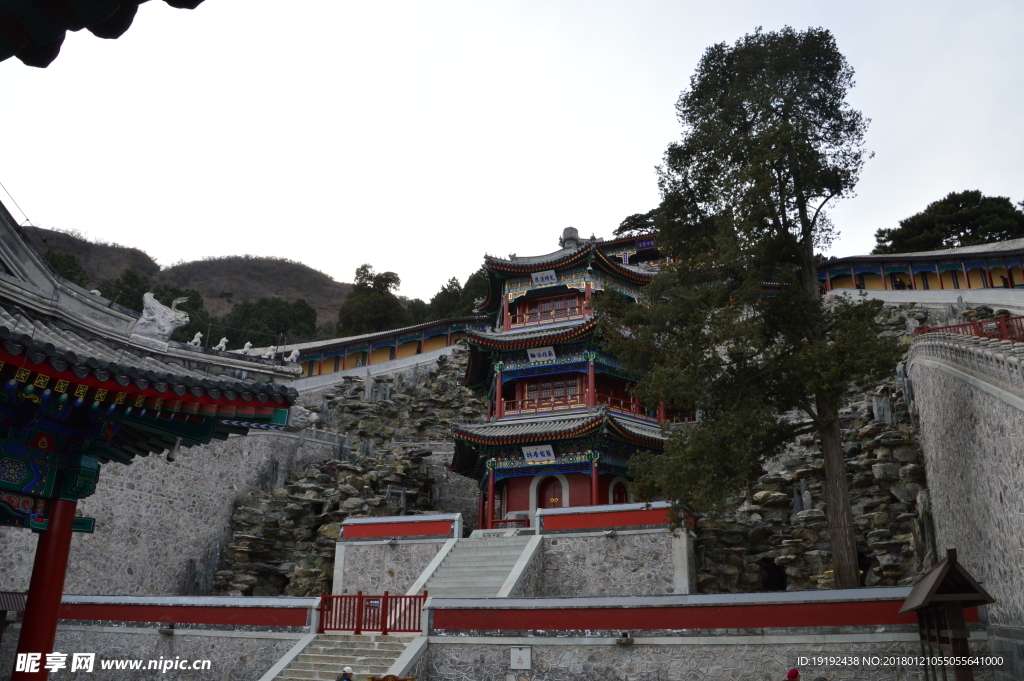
[416,404]
[777,537]
[283,542]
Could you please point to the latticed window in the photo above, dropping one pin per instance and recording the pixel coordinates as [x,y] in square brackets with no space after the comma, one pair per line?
[557,389]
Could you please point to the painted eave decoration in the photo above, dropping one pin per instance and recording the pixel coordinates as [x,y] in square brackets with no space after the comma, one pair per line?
[533,338]
[34,31]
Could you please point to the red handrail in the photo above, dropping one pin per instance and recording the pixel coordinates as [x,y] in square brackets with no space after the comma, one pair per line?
[358,613]
[545,402]
[548,315]
[1000,328]
[625,404]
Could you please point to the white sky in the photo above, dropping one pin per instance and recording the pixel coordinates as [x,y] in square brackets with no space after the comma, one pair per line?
[417,136]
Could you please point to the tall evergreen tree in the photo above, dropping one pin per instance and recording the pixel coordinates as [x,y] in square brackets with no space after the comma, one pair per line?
[966,218]
[769,142]
[372,305]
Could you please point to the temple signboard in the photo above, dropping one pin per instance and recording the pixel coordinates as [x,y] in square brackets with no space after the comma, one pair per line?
[545,278]
[538,454]
[545,355]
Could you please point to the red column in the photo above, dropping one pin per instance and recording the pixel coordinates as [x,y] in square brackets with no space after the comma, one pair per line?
[591,385]
[661,412]
[490,499]
[498,398]
[480,524]
[881,272]
[939,275]
[828,279]
[594,487]
[963,266]
[506,321]
[586,296]
[39,628]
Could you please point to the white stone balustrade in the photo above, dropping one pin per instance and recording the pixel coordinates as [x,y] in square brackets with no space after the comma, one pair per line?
[1000,362]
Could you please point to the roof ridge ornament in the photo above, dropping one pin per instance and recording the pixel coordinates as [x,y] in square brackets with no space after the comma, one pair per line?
[570,238]
[158,322]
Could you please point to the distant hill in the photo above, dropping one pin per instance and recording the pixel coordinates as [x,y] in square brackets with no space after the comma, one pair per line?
[102,261]
[222,281]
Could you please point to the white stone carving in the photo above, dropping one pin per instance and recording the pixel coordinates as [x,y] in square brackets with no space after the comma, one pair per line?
[197,340]
[222,346]
[293,356]
[299,418]
[158,322]
[269,354]
[245,350]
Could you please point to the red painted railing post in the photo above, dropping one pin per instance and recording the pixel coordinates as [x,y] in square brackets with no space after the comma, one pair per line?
[359,613]
[1002,329]
[322,610]
[419,612]
[384,614]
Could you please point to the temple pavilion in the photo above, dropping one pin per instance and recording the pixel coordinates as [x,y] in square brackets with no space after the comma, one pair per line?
[86,383]
[562,423]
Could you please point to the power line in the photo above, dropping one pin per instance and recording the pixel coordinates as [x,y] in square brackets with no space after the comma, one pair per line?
[15,203]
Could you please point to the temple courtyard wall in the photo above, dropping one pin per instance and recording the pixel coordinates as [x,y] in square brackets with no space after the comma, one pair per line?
[161,527]
[972,433]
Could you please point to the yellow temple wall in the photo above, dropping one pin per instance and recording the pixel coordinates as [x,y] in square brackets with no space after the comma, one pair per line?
[407,349]
[873,282]
[353,360]
[435,343]
[380,355]
[843,282]
[977,278]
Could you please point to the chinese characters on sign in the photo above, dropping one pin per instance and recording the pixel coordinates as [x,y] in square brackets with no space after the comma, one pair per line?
[545,278]
[543,355]
[538,454]
[643,244]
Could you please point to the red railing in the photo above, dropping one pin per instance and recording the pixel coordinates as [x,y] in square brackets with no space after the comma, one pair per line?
[1001,328]
[546,403]
[548,315]
[359,613]
[625,405]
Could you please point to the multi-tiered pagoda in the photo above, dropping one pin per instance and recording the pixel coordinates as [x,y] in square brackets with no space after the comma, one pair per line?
[562,423]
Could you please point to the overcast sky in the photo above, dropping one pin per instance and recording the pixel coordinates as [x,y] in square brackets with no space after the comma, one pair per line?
[417,136]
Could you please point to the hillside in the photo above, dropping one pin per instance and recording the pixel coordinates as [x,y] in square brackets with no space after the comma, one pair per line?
[221,281]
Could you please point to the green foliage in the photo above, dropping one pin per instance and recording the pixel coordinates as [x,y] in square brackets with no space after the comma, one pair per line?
[768,142]
[636,224]
[265,320]
[965,218]
[127,289]
[372,306]
[67,266]
[419,312]
[474,289]
[445,301]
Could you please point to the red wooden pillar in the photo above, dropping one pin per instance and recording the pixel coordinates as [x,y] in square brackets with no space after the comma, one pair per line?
[480,524]
[587,294]
[591,385]
[913,286]
[881,272]
[661,412]
[39,629]
[499,399]
[490,499]
[939,275]
[963,266]
[988,275]
[853,277]
[828,280]
[595,488]
[506,321]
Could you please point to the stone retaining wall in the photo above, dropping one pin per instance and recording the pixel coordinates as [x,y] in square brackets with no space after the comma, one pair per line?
[972,444]
[233,655]
[724,658]
[379,567]
[160,527]
[595,565]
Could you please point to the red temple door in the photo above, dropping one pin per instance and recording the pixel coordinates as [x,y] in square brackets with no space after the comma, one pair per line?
[549,493]
[619,494]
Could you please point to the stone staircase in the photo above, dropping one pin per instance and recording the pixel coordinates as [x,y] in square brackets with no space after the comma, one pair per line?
[325,657]
[476,567]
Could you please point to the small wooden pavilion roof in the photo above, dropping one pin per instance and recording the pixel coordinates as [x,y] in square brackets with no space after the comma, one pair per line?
[947,582]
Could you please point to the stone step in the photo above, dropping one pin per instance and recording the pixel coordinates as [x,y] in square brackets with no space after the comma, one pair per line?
[359,646]
[326,657]
[471,571]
